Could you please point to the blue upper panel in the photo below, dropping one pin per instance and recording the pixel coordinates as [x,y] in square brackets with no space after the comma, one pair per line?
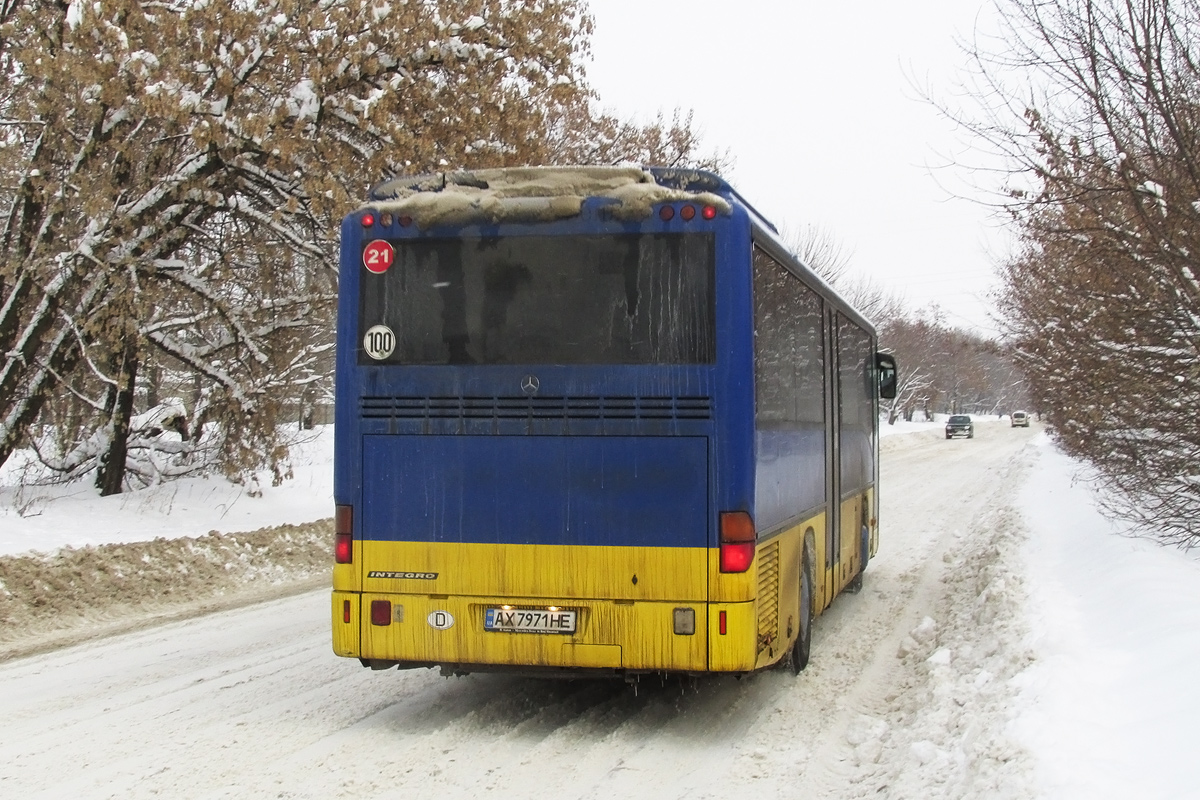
[566,490]
[624,454]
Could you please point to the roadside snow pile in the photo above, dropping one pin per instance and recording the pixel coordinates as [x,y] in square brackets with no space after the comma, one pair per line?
[946,734]
[957,730]
[49,600]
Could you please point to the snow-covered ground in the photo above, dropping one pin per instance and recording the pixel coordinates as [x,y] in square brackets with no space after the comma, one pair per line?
[1111,706]
[1009,642]
[42,517]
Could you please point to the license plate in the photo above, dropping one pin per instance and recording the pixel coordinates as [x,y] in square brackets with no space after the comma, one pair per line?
[529,620]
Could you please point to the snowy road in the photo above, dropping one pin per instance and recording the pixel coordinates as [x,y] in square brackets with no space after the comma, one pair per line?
[906,695]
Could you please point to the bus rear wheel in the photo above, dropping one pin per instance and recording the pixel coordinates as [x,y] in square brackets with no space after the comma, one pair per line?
[800,650]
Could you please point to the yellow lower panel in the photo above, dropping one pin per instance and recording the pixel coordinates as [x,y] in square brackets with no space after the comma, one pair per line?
[345,631]
[546,571]
[450,630]
[736,649]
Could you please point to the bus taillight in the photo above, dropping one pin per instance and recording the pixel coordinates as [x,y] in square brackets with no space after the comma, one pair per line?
[368,220]
[343,534]
[737,541]
[709,212]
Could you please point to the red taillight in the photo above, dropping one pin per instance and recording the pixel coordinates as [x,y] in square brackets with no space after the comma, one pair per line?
[343,534]
[666,213]
[405,220]
[737,541]
[343,548]
[381,612]
[722,625]
[368,220]
[709,212]
[737,557]
[346,611]
[687,212]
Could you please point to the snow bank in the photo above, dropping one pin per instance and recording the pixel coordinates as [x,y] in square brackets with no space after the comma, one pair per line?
[527,194]
[1111,704]
[47,517]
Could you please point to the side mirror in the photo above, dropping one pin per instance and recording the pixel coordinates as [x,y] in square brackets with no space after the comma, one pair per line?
[885,369]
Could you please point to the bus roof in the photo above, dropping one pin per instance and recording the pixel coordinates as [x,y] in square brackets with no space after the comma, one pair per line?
[543,194]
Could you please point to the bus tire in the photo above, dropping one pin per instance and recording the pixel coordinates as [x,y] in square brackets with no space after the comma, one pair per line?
[803,643]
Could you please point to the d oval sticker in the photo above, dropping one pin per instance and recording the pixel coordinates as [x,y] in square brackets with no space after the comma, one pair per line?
[442,620]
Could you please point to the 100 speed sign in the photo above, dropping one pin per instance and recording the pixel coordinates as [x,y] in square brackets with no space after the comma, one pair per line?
[379,342]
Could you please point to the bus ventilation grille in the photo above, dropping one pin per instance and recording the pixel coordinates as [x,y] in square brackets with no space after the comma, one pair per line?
[768,594]
[597,408]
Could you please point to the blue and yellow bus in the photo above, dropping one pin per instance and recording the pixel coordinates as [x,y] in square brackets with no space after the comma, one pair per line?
[593,421]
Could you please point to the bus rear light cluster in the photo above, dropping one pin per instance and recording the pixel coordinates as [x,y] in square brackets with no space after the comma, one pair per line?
[385,220]
[687,212]
[343,534]
[737,541]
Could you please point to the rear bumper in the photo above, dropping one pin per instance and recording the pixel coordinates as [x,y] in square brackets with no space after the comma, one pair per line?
[615,636]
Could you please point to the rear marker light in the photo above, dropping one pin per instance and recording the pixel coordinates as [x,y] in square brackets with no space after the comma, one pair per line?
[381,612]
[385,220]
[687,212]
[346,611]
[709,212]
[405,221]
[666,213]
[721,622]
[368,220]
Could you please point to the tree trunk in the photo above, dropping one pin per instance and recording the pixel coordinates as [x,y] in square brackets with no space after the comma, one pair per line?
[111,477]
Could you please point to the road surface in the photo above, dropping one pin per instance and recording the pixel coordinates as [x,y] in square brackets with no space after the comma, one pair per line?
[907,694]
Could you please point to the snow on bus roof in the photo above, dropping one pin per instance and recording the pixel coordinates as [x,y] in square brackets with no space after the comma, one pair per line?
[528,194]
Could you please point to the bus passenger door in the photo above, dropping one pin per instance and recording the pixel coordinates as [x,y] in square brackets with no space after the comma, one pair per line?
[833,461]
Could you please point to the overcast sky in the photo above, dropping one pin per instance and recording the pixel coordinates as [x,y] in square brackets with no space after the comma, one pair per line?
[816,104]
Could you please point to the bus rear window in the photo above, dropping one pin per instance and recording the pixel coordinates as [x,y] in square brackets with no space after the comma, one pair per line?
[624,299]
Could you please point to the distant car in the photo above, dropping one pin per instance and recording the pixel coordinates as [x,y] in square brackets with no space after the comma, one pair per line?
[960,425]
[1020,419]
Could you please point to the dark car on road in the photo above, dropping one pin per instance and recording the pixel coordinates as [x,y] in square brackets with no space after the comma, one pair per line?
[960,425]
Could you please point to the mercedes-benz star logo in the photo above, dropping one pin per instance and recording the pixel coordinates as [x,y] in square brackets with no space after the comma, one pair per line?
[530,385]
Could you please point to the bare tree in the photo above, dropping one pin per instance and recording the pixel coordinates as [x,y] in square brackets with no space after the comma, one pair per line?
[580,134]
[822,251]
[825,254]
[173,172]
[172,175]
[1096,107]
